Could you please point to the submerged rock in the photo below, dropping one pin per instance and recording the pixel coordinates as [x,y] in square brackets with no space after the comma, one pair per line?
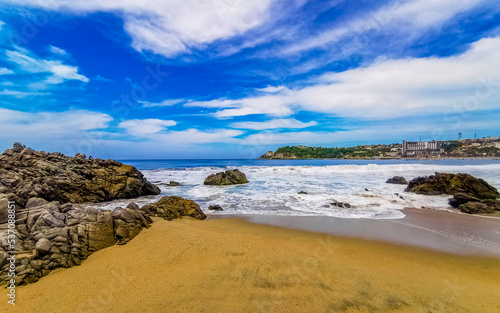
[230,177]
[215,207]
[173,184]
[470,194]
[399,180]
[302,193]
[343,205]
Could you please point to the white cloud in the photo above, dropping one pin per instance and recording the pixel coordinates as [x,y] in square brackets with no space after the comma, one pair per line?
[1,25]
[169,27]
[57,50]
[164,103]
[5,71]
[274,124]
[20,94]
[410,18]
[195,136]
[53,125]
[146,126]
[389,88]
[59,71]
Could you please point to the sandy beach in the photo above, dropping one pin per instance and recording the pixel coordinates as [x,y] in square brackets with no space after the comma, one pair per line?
[231,265]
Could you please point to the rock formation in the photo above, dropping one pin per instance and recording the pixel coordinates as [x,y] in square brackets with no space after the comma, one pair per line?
[50,230]
[50,235]
[399,180]
[470,195]
[25,174]
[230,177]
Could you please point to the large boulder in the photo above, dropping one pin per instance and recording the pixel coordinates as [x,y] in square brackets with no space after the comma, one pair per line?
[399,180]
[452,184]
[230,177]
[27,174]
[174,207]
[470,195]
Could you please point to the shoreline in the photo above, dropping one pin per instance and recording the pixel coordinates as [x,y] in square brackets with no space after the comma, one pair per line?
[443,231]
[231,265]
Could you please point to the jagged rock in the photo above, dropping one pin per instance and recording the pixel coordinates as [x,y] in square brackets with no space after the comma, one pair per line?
[230,177]
[215,207]
[174,207]
[470,195]
[452,184]
[56,177]
[55,239]
[399,180]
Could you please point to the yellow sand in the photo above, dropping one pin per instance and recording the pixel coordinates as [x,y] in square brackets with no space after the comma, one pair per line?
[230,265]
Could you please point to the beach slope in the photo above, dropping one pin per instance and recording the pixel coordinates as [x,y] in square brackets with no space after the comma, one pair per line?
[229,265]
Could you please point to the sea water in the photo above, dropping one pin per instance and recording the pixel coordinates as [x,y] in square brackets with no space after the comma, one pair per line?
[275,185]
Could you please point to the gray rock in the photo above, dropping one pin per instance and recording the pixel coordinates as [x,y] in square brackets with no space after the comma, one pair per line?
[230,177]
[399,180]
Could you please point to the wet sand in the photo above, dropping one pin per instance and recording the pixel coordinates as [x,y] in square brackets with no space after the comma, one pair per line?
[230,265]
[438,230]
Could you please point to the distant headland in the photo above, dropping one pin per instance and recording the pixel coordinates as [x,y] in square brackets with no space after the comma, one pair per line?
[488,147]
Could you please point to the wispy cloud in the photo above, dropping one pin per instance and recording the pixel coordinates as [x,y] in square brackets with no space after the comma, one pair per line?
[5,71]
[50,125]
[386,89]
[274,124]
[20,94]
[57,71]
[57,50]
[146,126]
[164,103]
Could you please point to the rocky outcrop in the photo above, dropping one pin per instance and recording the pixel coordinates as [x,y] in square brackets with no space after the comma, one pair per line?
[50,235]
[230,177]
[25,174]
[470,195]
[271,155]
[399,180]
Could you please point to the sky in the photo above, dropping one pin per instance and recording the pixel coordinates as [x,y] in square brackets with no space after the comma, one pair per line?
[221,79]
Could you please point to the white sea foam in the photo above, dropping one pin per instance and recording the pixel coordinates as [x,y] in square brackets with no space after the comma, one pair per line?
[274,190]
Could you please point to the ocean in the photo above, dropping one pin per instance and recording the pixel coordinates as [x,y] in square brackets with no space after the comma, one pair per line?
[275,185]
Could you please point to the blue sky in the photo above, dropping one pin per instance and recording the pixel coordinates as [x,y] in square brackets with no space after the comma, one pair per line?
[233,79]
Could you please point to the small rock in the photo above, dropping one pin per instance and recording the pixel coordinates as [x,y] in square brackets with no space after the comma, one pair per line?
[215,207]
[17,147]
[173,184]
[302,193]
[399,180]
[343,205]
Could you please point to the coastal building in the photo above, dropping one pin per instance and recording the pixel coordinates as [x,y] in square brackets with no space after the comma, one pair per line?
[422,147]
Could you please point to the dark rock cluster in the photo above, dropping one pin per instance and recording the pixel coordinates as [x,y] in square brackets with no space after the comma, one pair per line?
[50,230]
[50,235]
[399,180]
[25,174]
[470,194]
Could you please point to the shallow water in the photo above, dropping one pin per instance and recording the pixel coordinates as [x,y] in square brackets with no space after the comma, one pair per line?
[275,184]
